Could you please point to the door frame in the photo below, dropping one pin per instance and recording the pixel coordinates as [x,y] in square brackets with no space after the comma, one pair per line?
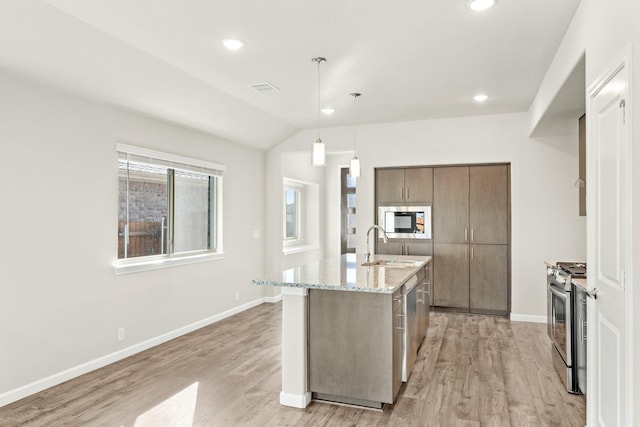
[622,61]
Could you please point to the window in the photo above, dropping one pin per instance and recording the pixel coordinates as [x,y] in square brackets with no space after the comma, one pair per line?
[169,207]
[292,221]
[300,216]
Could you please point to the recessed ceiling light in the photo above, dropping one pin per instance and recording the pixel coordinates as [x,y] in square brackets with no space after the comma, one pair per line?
[328,110]
[232,44]
[480,5]
[481,97]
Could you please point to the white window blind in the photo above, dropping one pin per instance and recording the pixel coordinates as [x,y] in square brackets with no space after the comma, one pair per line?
[148,158]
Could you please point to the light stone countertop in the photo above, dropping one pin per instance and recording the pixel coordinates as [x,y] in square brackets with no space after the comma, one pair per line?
[346,273]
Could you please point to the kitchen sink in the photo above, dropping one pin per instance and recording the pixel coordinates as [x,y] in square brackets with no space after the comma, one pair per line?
[393,263]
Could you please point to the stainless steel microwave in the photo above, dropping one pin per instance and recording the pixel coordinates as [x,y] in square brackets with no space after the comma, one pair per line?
[405,222]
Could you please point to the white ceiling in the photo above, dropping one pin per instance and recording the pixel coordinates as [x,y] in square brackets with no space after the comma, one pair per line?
[411,59]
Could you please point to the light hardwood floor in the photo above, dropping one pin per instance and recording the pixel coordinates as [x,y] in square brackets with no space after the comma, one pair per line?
[471,371]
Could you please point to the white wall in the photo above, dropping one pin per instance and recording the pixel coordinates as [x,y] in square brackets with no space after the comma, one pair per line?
[60,301]
[602,30]
[543,197]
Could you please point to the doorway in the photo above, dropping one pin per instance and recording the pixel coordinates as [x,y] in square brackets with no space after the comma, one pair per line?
[347,212]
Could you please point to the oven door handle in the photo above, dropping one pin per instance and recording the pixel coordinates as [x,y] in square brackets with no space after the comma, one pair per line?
[558,293]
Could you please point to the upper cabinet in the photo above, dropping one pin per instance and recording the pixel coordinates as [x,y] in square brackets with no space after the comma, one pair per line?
[405,186]
[582,166]
[489,204]
[451,207]
[471,204]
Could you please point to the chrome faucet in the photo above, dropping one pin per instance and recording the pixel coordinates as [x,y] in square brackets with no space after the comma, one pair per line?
[384,236]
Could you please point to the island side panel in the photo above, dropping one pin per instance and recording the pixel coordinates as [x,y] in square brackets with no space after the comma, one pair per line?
[351,345]
[295,391]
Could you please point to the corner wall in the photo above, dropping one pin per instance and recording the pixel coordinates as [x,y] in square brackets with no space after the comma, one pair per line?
[61,302]
[602,30]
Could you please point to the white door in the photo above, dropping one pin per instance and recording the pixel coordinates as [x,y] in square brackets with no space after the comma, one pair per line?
[608,249]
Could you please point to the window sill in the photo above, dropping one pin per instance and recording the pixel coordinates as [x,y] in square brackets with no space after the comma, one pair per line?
[299,249]
[126,267]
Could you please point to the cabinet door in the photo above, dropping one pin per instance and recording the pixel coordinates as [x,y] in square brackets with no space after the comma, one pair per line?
[489,279]
[450,204]
[418,185]
[429,287]
[422,249]
[451,275]
[390,185]
[390,248]
[489,204]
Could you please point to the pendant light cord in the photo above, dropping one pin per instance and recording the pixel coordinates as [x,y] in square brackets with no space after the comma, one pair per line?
[318,60]
[318,106]
[355,126]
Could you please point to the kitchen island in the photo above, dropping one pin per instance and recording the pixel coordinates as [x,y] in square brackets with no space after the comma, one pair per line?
[350,329]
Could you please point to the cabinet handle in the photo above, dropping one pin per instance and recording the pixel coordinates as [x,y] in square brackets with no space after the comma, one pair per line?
[472,234]
[407,251]
[408,197]
[402,193]
[472,252]
[465,234]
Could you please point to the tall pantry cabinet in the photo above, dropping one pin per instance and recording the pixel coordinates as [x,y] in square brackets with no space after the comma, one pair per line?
[471,238]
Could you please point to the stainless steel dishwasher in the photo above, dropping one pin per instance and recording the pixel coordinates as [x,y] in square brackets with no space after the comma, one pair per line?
[410,338]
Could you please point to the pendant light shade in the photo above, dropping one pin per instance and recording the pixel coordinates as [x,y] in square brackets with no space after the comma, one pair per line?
[317,156]
[318,153]
[354,168]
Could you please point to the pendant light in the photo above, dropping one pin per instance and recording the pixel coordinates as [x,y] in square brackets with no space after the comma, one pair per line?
[317,156]
[354,168]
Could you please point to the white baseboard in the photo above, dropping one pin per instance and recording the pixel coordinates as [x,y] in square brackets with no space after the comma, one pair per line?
[295,400]
[273,299]
[60,377]
[528,318]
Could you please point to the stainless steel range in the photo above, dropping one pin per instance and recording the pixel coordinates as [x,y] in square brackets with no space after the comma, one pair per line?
[562,327]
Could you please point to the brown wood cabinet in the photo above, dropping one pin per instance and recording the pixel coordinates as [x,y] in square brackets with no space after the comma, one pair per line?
[488,279]
[405,248]
[488,204]
[582,166]
[451,275]
[471,232]
[404,185]
[355,346]
[451,205]
[471,211]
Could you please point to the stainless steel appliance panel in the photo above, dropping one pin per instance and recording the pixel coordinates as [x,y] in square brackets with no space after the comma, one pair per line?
[406,222]
[580,317]
[560,322]
[410,344]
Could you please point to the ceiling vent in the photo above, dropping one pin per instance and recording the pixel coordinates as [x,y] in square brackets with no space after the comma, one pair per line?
[264,87]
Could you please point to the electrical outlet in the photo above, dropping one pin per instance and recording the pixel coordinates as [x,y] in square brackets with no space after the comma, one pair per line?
[237,296]
[121,334]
